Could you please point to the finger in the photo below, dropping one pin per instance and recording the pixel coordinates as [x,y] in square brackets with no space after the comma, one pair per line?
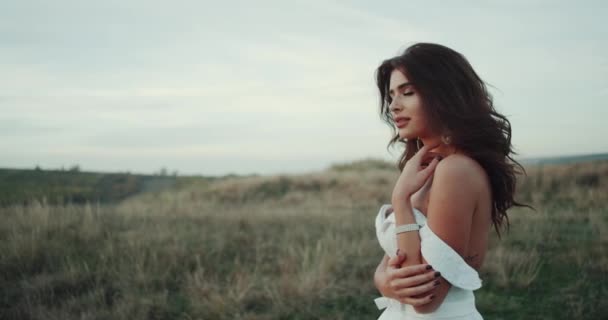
[397,260]
[417,290]
[413,270]
[411,281]
[429,157]
[420,154]
[427,148]
[394,262]
[418,301]
[430,168]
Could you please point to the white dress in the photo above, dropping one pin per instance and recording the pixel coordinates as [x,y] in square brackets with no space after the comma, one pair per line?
[459,302]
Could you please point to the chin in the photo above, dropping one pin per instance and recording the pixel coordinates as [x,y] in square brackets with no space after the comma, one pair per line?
[406,136]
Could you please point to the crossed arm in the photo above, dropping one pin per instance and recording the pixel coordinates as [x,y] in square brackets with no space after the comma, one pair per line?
[450,211]
[409,284]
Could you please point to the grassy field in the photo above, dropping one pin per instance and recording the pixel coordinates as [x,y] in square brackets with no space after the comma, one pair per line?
[289,247]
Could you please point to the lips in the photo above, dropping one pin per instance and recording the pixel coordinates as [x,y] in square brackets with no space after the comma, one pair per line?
[401,121]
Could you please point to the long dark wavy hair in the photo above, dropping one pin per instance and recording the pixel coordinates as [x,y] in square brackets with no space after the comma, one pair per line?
[457,103]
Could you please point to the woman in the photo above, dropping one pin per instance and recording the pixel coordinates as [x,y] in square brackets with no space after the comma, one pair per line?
[441,210]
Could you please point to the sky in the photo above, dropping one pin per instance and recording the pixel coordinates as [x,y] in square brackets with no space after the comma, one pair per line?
[269,87]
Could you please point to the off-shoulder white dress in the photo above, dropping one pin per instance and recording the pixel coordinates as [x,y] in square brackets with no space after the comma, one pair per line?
[459,302]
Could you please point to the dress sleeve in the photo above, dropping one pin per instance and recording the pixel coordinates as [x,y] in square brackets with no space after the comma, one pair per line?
[384,233]
[446,260]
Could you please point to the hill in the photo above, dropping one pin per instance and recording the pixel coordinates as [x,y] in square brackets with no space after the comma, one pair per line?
[19,186]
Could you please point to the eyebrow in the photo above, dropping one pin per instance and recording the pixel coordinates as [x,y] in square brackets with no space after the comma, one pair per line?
[399,87]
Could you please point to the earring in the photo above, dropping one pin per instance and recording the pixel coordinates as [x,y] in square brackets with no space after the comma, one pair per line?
[446,139]
[418,143]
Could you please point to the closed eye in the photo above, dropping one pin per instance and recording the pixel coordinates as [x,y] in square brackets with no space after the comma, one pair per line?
[408,93]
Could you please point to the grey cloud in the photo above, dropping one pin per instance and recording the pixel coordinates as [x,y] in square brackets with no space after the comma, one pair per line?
[24,127]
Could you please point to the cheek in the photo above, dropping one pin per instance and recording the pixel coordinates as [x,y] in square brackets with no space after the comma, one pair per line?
[417,113]
[420,120]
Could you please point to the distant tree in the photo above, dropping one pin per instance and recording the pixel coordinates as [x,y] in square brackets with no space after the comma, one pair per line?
[38,168]
[163,172]
[75,168]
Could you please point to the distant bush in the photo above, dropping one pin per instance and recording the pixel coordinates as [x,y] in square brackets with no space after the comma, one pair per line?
[365,164]
[588,180]
[73,186]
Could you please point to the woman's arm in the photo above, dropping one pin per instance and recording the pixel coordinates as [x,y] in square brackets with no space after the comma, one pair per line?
[409,284]
[453,195]
[380,274]
[413,176]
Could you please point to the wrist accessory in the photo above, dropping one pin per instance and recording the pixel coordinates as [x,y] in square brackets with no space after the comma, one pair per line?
[407,227]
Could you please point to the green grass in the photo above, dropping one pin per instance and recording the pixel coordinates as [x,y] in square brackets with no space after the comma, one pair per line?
[288,247]
[20,186]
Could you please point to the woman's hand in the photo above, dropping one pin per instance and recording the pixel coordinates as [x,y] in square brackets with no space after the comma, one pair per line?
[411,285]
[414,174]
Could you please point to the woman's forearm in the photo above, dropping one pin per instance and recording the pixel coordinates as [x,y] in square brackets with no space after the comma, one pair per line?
[380,271]
[407,242]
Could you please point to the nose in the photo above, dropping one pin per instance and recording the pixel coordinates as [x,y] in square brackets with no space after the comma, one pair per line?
[394,106]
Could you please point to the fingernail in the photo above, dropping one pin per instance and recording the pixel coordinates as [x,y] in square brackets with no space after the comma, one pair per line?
[429,267]
[397,252]
[437,274]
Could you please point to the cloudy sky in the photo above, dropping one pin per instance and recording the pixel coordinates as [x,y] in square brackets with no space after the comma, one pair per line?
[270,87]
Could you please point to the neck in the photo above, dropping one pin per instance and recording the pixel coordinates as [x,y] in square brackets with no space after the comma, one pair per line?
[443,150]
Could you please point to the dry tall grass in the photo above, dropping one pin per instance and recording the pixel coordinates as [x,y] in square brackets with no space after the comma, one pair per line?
[289,247]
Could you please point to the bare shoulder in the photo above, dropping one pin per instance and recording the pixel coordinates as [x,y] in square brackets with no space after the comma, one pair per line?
[454,197]
[462,168]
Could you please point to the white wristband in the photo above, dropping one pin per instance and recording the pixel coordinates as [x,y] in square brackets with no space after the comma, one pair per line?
[407,227]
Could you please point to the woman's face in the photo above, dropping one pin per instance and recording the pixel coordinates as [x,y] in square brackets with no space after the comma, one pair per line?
[406,103]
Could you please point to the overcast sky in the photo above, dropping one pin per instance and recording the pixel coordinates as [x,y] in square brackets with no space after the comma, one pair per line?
[267,87]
